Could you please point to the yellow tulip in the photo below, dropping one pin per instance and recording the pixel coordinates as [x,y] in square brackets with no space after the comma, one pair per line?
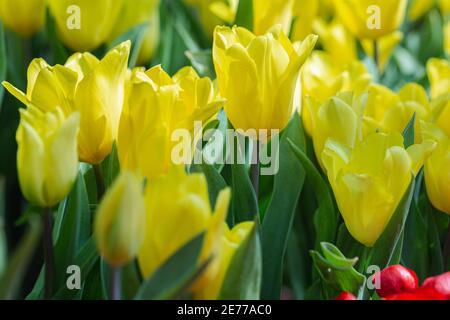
[83,25]
[230,242]
[322,79]
[440,113]
[386,46]
[175,198]
[119,226]
[437,168]
[340,119]
[391,112]
[438,71]
[257,75]
[137,12]
[214,13]
[47,160]
[444,6]
[419,8]
[267,14]
[25,17]
[370,180]
[337,41]
[368,19]
[85,84]
[306,12]
[155,106]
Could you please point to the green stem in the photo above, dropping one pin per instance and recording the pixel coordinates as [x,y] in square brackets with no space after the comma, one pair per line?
[116,283]
[100,182]
[48,252]
[376,55]
[254,171]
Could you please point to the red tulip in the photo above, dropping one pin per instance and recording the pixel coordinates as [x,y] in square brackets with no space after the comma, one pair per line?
[440,283]
[346,296]
[419,294]
[395,280]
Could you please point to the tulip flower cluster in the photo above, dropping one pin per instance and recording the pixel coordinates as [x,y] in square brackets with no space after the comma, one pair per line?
[344,97]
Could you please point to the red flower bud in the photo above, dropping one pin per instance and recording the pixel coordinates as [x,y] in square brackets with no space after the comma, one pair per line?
[345,296]
[396,279]
[440,283]
[419,294]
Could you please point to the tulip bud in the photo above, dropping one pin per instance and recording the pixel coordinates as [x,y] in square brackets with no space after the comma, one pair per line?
[370,180]
[83,25]
[120,220]
[368,19]
[396,279]
[134,13]
[231,240]
[345,296]
[440,283]
[178,197]
[258,98]
[25,17]
[47,160]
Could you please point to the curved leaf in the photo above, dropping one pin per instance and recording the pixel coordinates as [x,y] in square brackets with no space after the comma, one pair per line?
[325,217]
[175,275]
[243,278]
[277,222]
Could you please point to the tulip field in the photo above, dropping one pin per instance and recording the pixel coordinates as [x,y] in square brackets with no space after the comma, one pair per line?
[225,150]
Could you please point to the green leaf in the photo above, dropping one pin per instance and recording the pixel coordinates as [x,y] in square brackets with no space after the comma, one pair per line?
[244,204]
[349,246]
[174,275]
[383,251]
[298,264]
[215,181]
[325,217]
[278,218]
[75,229]
[243,278]
[58,51]
[86,259]
[202,61]
[136,35]
[11,278]
[337,271]
[408,133]
[416,249]
[131,280]
[111,167]
[244,15]
[3,62]
[3,243]
[92,288]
